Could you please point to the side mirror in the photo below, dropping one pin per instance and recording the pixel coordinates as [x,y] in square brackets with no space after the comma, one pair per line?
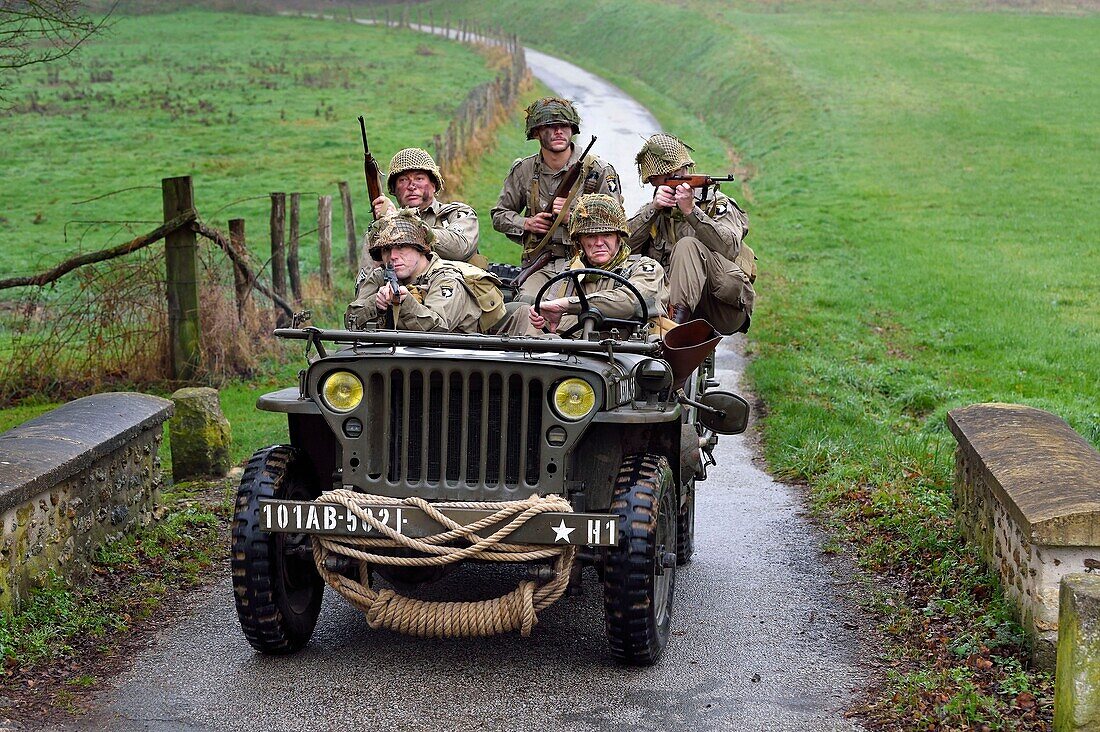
[726,413]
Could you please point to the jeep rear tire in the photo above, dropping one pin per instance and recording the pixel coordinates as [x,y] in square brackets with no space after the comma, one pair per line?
[640,573]
[276,585]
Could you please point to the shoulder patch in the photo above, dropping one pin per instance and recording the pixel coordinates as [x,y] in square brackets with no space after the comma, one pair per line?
[649,267]
[721,209]
[447,288]
[613,183]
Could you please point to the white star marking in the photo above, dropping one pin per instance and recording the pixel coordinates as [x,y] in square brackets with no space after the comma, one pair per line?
[562,532]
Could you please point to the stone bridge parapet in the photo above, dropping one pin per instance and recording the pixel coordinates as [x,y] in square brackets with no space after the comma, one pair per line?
[72,479]
[1027,493]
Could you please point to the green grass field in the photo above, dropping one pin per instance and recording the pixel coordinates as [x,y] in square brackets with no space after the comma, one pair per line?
[921,183]
[245,104]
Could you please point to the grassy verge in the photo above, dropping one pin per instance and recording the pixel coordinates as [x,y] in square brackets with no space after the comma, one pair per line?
[917,186]
[66,641]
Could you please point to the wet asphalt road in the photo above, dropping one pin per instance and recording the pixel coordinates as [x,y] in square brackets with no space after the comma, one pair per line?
[760,643]
[762,639]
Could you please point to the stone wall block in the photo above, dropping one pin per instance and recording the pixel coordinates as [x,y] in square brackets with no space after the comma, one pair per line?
[67,485]
[199,434]
[1077,678]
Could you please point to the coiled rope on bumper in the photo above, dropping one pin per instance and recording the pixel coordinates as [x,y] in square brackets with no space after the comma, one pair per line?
[388,609]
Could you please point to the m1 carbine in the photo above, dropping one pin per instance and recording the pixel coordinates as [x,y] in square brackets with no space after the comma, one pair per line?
[370,171]
[695,180]
[539,255]
[392,282]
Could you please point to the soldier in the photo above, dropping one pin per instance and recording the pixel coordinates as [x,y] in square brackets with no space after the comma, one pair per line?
[533,181]
[597,228]
[434,294]
[414,178]
[699,242]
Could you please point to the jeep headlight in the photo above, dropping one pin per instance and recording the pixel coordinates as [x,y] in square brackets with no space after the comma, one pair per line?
[573,399]
[342,391]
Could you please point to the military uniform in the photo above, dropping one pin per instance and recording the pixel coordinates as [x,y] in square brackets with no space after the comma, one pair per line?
[595,214]
[530,188]
[456,230]
[438,300]
[454,224]
[608,296]
[710,271]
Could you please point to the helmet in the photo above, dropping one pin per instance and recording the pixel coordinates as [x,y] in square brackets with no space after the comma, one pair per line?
[403,228]
[413,158]
[551,111]
[597,213]
[662,154]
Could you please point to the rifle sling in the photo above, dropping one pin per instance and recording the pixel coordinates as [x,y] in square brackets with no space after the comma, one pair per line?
[535,251]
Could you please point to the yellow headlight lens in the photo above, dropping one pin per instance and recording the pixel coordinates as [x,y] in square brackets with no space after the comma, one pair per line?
[573,399]
[342,390]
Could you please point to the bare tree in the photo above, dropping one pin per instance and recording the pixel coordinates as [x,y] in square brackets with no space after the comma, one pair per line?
[36,31]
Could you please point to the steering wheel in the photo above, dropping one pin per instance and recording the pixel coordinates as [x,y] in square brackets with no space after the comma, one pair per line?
[590,318]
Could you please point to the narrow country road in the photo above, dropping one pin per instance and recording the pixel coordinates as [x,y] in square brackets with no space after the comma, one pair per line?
[762,639]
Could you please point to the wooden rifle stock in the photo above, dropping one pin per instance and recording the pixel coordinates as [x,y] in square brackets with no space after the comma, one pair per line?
[370,171]
[695,180]
[570,178]
[534,266]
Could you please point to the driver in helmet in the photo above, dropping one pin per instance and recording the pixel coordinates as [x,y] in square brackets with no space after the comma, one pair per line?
[415,180]
[598,231]
[533,181]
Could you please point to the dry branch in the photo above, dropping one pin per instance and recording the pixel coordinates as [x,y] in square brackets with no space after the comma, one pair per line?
[223,242]
[122,249]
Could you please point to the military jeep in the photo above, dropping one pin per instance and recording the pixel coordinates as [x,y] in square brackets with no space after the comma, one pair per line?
[436,432]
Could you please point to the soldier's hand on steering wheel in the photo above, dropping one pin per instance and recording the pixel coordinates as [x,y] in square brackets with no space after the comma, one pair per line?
[549,314]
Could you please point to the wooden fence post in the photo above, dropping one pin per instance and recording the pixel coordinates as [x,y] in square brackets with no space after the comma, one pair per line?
[324,239]
[181,258]
[292,251]
[241,284]
[349,225]
[278,251]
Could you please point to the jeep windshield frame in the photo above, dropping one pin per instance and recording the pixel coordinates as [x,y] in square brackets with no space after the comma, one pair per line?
[529,344]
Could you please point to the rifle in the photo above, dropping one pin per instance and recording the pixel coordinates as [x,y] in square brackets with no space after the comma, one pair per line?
[695,180]
[370,170]
[540,255]
[390,276]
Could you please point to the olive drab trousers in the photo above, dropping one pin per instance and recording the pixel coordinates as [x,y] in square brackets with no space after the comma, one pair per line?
[713,287]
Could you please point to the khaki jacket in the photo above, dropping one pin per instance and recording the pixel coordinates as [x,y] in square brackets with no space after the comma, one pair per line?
[455,227]
[718,224]
[438,301]
[514,204]
[609,296]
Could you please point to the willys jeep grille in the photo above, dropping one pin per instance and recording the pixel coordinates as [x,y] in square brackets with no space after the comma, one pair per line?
[459,427]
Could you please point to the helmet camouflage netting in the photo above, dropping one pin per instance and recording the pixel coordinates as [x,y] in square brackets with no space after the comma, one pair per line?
[403,228]
[551,111]
[662,154]
[413,158]
[597,213]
